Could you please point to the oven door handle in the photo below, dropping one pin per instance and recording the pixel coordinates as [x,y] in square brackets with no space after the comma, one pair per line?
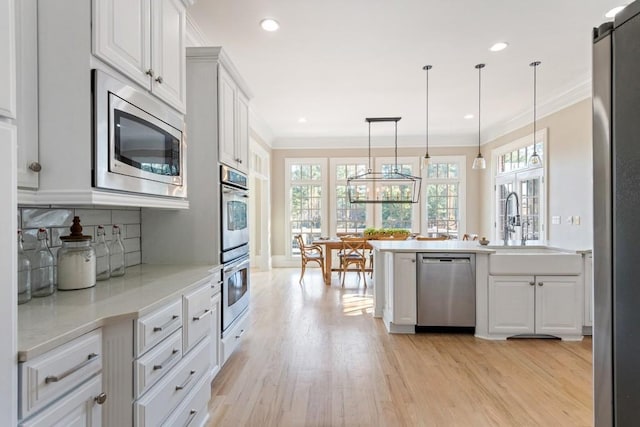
[236,267]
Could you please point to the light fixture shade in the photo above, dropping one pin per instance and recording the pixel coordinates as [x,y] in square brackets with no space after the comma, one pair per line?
[425,161]
[479,162]
[534,161]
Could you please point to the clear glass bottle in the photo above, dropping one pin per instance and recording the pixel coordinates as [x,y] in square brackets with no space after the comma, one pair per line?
[42,268]
[24,273]
[102,256]
[116,254]
[76,260]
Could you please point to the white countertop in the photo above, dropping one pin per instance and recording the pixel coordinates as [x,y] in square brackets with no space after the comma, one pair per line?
[429,246]
[45,323]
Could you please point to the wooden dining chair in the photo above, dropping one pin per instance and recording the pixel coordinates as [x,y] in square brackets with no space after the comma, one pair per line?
[432,238]
[353,252]
[470,237]
[309,253]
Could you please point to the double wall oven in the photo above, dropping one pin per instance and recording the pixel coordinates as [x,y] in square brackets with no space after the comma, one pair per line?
[235,245]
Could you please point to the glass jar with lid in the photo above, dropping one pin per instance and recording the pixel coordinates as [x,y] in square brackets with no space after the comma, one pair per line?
[42,268]
[102,255]
[24,273]
[76,260]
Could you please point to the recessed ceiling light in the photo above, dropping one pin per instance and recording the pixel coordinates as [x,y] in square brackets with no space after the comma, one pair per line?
[613,12]
[468,116]
[302,120]
[269,24]
[497,47]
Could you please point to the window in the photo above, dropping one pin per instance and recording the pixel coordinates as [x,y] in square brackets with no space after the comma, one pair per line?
[305,190]
[398,215]
[347,217]
[444,196]
[513,175]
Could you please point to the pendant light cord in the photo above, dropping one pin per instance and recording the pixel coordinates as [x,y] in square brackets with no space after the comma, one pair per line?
[535,64]
[370,148]
[479,67]
[426,153]
[396,149]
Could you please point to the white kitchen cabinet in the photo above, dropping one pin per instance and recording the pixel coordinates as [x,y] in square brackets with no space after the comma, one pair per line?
[81,408]
[233,119]
[8,63]
[404,289]
[526,305]
[27,93]
[145,40]
[216,325]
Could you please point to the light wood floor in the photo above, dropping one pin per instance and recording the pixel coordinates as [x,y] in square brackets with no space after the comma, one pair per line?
[314,356]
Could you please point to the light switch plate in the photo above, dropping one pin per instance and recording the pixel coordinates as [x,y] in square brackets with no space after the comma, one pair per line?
[555,219]
[576,220]
[569,220]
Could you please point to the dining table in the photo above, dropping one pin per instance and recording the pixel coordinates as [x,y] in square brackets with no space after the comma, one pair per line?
[330,245]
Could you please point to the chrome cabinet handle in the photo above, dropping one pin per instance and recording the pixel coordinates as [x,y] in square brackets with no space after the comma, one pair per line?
[196,318]
[161,327]
[159,79]
[184,384]
[149,72]
[532,283]
[165,361]
[240,334]
[192,415]
[220,283]
[101,398]
[35,166]
[540,283]
[55,378]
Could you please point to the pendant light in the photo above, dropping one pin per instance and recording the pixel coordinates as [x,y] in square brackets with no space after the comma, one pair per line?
[426,159]
[535,160]
[479,162]
[388,187]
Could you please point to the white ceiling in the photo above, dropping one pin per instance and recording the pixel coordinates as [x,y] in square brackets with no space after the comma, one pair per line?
[336,62]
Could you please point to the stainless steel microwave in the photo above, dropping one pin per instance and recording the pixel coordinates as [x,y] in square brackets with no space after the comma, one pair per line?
[139,143]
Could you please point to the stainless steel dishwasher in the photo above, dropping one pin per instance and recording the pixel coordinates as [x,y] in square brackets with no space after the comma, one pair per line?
[446,290]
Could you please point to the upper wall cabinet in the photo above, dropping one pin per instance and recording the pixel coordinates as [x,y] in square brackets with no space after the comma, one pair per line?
[145,40]
[233,118]
[7,64]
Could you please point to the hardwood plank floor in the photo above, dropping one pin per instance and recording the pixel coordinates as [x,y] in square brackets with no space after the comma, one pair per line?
[314,356]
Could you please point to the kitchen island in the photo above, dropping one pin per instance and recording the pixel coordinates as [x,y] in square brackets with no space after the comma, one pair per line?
[519,291]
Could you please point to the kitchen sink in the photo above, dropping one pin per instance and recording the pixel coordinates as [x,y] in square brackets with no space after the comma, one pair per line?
[534,260]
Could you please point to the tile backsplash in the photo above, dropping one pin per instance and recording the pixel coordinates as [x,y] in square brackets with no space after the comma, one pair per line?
[57,221]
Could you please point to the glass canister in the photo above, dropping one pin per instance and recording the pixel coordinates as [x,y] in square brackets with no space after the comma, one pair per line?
[24,273]
[102,255]
[42,265]
[116,254]
[76,260]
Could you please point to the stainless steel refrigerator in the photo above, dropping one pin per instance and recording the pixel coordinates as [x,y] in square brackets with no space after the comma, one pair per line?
[616,195]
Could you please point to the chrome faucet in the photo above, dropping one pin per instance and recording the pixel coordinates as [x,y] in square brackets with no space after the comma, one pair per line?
[510,221]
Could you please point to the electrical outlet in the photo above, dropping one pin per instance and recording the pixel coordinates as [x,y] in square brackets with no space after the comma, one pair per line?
[555,219]
[569,220]
[576,220]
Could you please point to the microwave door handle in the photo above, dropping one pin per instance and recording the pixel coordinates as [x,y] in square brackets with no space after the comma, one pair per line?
[235,268]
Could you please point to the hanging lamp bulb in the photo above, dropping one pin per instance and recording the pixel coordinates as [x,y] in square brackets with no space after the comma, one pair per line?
[479,162]
[426,159]
[535,160]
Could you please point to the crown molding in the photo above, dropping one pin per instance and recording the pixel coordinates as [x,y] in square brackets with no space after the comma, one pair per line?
[417,141]
[195,35]
[261,128]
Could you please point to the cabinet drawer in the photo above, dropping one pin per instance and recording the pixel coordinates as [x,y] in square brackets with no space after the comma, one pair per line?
[169,392]
[197,316]
[193,411]
[51,375]
[231,339]
[156,363]
[154,327]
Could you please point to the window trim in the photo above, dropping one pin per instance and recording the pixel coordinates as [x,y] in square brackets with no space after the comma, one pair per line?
[461,160]
[334,162]
[496,179]
[322,161]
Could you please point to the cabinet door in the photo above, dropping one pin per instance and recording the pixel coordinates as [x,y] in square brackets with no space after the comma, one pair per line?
[511,304]
[404,289]
[80,408]
[122,36]
[215,334]
[226,118]
[168,56]
[27,87]
[559,305]
[8,63]
[242,141]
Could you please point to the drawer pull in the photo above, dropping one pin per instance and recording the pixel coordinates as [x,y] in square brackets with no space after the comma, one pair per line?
[184,384]
[240,334]
[220,282]
[167,360]
[192,415]
[56,378]
[161,327]
[101,398]
[202,316]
